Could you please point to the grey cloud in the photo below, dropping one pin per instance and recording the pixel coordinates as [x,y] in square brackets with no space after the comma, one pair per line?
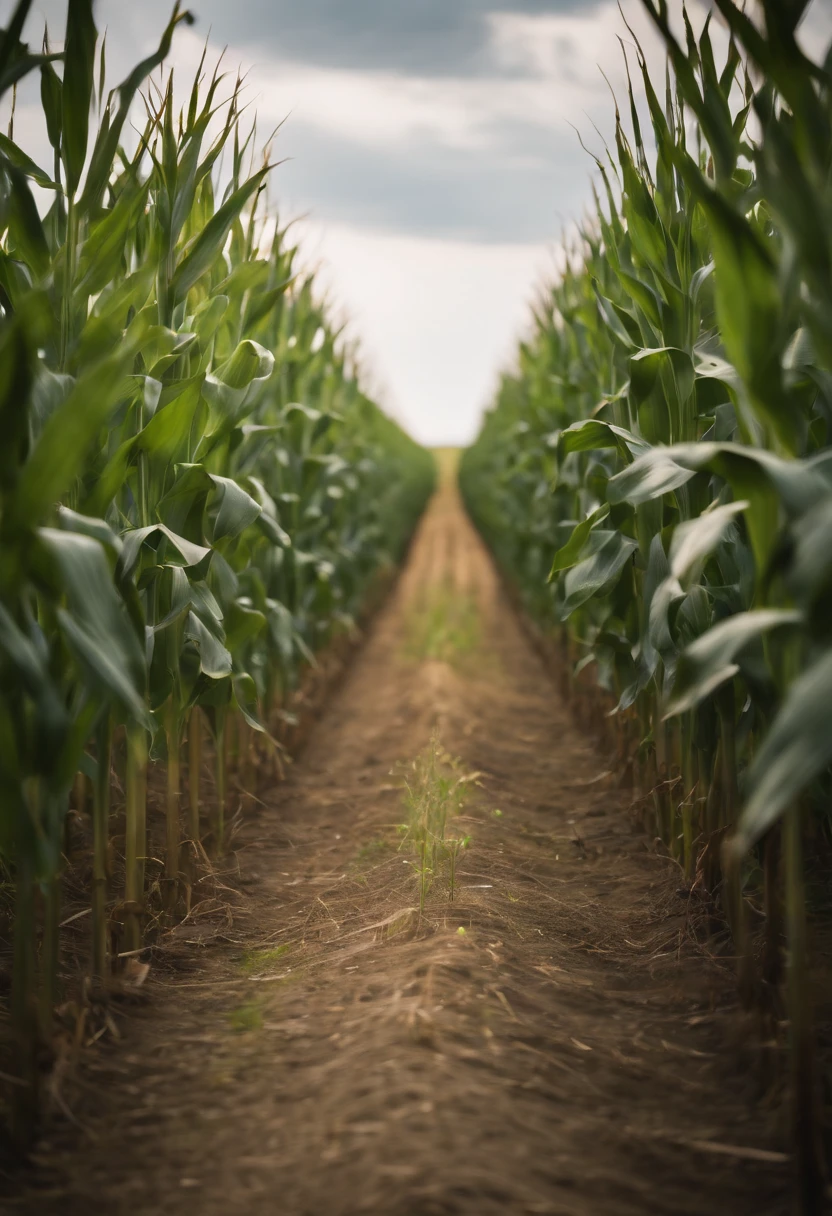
[423,37]
[415,37]
[519,186]
[521,189]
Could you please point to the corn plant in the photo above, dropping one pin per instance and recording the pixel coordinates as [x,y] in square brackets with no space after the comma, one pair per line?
[656,475]
[195,494]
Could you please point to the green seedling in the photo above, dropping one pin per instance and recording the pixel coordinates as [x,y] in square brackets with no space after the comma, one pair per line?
[435,791]
[444,626]
[247,1017]
[255,961]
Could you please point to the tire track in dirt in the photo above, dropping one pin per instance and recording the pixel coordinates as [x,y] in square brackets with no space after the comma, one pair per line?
[323,1051]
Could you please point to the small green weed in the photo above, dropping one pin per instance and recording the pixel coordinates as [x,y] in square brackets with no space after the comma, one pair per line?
[435,791]
[445,625]
[247,1017]
[374,850]
[255,961]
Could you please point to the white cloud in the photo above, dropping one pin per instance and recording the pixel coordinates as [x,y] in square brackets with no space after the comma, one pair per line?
[557,81]
[437,319]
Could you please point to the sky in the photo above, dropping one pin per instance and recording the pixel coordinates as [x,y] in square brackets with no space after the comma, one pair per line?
[429,147]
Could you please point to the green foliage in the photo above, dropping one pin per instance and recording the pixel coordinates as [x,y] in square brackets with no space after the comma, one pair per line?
[435,792]
[245,1018]
[662,453]
[195,493]
[255,962]
[444,624]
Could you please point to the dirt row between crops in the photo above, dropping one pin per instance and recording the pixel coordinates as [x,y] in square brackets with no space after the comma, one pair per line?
[323,1050]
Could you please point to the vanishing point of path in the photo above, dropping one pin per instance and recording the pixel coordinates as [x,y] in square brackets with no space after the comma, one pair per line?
[320,1051]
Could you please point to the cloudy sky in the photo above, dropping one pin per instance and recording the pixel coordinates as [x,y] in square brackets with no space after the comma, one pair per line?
[431,148]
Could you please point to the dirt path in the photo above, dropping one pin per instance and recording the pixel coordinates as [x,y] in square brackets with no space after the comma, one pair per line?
[329,1054]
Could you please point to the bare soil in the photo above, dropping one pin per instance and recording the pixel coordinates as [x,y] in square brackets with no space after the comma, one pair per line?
[322,1049]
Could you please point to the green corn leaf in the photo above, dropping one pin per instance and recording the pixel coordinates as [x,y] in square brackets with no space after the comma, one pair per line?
[86,525]
[242,624]
[205,604]
[796,750]
[214,659]
[281,631]
[95,622]
[109,135]
[77,91]
[183,507]
[208,318]
[592,574]
[810,568]
[188,553]
[18,370]
[250,362]
[17,157]
[592,433]
[695,540]
[22,66]
[26,659]
[101,260]
[66,439]
[695,616]
[49,391]
[177,596]
[237,509]
[231,392]
[644,296]
[167,434]
[769,483]
[661,384]
[749,303]
[668,595]
[15,60]
[246,699]
[570,553]
[205,248]
[27,237]
[711,659]
[623,327]
[659,592]
[51,103]
[648,365]
[656,472]
[268,519]
[10,44]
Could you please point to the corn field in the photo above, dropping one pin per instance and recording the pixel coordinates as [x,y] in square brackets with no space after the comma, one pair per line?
[198,503]
[196,497]
[655,478]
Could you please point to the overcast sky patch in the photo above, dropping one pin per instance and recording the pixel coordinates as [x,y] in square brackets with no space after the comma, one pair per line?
[431,144]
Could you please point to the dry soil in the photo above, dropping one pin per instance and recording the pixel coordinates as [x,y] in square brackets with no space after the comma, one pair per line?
[550,1041]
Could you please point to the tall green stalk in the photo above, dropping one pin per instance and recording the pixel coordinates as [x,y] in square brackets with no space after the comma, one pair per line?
[173,836]
[69,279]
[194,772]
[50,954]
[802,1051]
[220,762]
[25,1096]
[135,848]
[101,840]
